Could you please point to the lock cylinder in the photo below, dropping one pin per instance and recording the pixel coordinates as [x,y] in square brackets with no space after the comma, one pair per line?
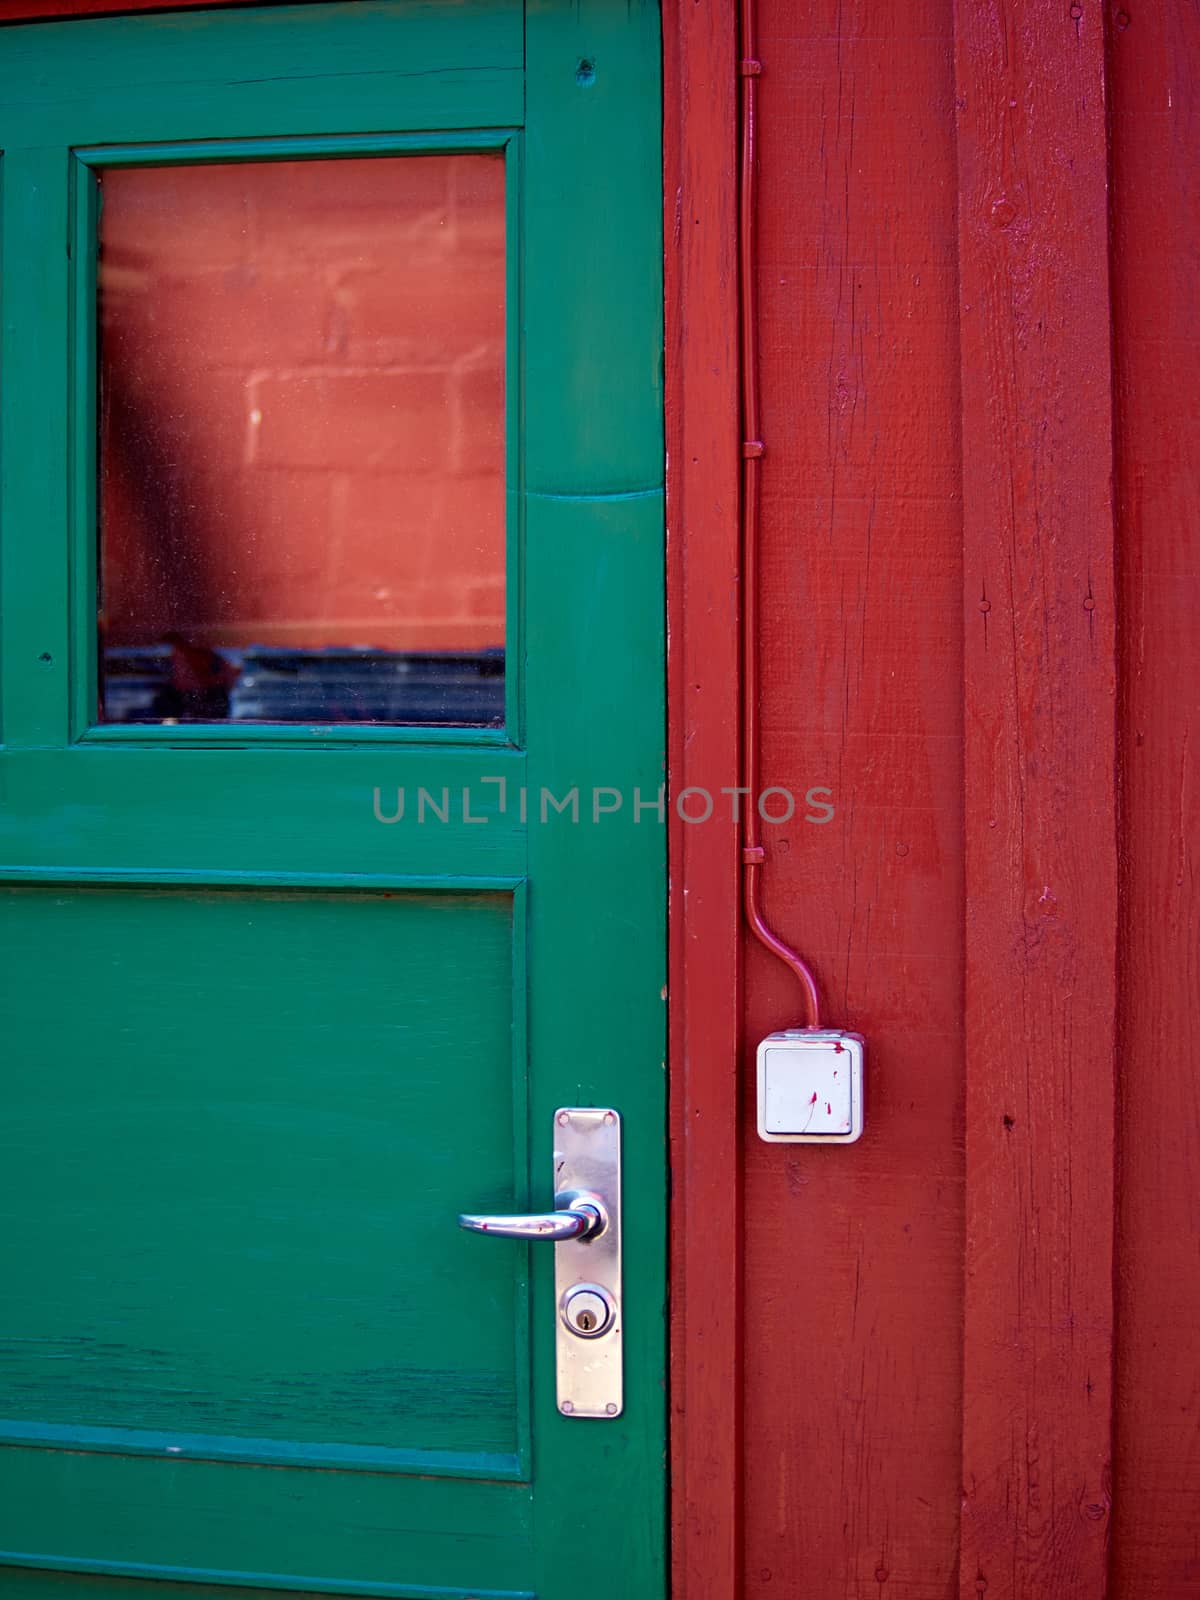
[588,1310]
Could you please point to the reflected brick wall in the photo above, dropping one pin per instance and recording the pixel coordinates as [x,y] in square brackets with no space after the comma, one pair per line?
[302,419]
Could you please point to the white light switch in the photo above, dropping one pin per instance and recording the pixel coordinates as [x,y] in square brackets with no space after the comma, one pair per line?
[810,1087]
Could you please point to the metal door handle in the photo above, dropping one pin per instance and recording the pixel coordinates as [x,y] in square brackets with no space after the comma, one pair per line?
[585,1229]
[580,1217]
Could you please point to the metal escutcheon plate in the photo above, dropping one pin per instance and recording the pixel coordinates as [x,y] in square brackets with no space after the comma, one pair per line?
[587,1160]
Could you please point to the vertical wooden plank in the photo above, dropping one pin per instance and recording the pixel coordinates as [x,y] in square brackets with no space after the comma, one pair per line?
[596,726]
[34,428]
[1040,803]
[700,223]
[853,1259]
[1154,55]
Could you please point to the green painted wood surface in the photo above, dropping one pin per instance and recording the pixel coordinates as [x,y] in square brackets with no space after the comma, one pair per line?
[262,1044]
[226,1282]
[594,562]
[279,70]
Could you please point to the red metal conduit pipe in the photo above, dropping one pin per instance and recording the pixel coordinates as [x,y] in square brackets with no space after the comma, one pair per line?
[753,853]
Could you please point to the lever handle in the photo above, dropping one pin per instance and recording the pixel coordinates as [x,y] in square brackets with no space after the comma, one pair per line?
[583,1218]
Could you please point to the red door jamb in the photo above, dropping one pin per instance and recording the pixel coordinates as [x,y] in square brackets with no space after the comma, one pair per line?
[700,126]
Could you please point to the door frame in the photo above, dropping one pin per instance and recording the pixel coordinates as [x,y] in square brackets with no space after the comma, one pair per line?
[702,410]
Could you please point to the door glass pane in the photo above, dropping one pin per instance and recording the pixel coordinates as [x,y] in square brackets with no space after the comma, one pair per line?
[302,441]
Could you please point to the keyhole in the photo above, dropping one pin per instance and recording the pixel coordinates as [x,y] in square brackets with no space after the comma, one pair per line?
[587,1321]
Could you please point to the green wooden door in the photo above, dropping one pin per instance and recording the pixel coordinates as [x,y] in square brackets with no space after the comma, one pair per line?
[282,996]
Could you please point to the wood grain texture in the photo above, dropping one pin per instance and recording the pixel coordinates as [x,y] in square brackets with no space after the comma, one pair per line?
[208,1184]
[1154,59]
[853,1257]
[1040,803]
[51,10]
[700,195]
[594,543]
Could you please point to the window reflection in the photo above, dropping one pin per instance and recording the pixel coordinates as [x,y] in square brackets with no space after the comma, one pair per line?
[302,441]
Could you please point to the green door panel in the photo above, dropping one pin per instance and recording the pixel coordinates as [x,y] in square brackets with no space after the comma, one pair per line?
[331,1532]
[208,1181]
[270,1020]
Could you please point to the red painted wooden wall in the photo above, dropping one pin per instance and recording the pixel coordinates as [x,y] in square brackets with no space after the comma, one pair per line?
[1154,91]
[968,1344]
[943,338]
[854,1257]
